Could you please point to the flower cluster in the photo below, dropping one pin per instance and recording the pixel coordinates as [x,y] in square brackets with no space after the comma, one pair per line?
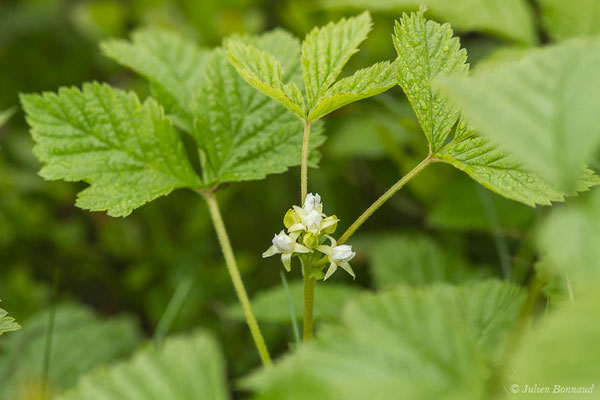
[308,230]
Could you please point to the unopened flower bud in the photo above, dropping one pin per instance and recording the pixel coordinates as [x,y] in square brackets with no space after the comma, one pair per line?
[329,224]
[310,240]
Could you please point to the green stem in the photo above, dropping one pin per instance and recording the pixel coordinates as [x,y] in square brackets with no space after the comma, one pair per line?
[390,192]
[304,166]
[236,278]
[309,298]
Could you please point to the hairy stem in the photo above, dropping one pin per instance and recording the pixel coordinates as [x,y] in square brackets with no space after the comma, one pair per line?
[379,202]
[304,166]
[236,278]
[309,298]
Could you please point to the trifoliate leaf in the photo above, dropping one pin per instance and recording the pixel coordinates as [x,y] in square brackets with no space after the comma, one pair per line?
[432,343]
[264,72]
[501,173]
[543,110]
[426,50]
[326,50]
[80,342]
[127,151]
[364,83]
[270,305]
[566,19]
[560,354]
[7,324]
[185,367]
[243,134]
[5,115]
[511,19]
[174,65]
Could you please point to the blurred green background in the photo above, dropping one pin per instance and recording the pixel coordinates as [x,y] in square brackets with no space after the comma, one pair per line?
[134,266]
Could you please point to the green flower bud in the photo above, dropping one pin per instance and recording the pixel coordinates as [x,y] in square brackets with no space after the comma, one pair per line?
[310,240]
[290,218]
[329,224]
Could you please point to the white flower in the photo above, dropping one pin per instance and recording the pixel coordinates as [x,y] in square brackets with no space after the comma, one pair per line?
[338,256]
[342,253]
[285,245]
[312,222]
[312,202]
[311,216]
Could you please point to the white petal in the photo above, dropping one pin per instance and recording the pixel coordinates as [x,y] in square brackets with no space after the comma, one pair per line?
[327,223]
[270,251]
[342,253]
[286,259]
[330,271]
[313,221]
[332,240]
[296,227]
[348,269]
[283,242]
[299,248]
[300,211]
[294,235]
[324,249]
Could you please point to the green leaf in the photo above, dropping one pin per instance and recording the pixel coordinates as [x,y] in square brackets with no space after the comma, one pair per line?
[243,134]
[569,239]
[510,19]
[560,350]
[5,115]
[562,19]
[269,305]
[542,110]
[503,174]
[432,343]
[414,260]
[264,72]
[490,308]
[7,324]
[326,50]
[364,83]
[127,151]
[185,367]
[174,65]
[80,342]
[426,50]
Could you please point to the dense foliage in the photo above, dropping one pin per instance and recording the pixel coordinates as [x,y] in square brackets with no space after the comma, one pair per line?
[451,139]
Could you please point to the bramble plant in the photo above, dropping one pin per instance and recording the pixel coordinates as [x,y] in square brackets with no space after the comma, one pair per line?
[253,107]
